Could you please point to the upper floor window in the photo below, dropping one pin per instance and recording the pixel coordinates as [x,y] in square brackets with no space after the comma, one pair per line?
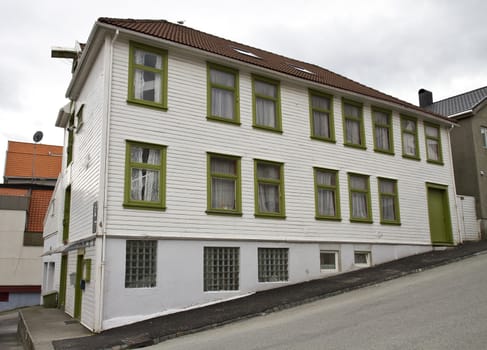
[360,209]
[326,194]
[389,202]
[224,184]
[353,124]
[483,133]
[409,130]
[269,189]
[383,141]
[321,113]
[145,175]
[223,99]
[433,143]
[266,104]
[147,76]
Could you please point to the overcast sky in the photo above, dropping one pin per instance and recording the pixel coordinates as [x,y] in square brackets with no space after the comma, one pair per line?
[395,46]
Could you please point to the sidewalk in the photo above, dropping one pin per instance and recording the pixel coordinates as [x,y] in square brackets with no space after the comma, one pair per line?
[46,325]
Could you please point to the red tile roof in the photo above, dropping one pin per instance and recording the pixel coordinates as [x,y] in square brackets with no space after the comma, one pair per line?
[20,160]
[39,204]
[193,38]
[17,192]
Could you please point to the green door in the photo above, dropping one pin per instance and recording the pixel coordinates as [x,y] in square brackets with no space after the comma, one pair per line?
[62,282]
[77,288]
[439,215]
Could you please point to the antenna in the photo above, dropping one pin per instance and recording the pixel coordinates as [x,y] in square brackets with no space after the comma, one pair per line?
[37,138]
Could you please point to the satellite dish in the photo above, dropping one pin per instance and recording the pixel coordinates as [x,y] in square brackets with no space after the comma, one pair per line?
[38,136]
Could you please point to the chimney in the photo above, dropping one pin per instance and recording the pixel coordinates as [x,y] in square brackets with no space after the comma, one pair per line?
[425,98]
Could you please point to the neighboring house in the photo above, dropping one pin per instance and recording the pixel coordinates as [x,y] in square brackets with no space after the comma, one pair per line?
[198,169]
[29,178]
[468,143]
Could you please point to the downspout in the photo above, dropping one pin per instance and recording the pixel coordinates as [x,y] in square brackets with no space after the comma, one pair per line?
[460,239]
[108,90]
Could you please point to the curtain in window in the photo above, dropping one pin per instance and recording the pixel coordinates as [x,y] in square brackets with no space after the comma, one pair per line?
[268,193]
[433,149]
[223,194]
[320,102]
[359,199]
[321,124]
[387,191]
[147,84]
[353,132]
[145,182]
[381,132]
[408,137]
[265,108]
[326,197]
[222,100]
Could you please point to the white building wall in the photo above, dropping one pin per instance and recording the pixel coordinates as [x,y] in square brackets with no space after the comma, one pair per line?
[469,225]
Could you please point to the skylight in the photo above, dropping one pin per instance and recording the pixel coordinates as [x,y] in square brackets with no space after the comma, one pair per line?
[301,69]
[246,53]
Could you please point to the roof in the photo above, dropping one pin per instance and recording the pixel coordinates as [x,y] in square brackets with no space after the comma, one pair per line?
[199,40]
[39,204]
[16,192]
[28,160]
[459,104]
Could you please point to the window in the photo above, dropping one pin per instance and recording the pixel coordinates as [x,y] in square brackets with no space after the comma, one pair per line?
[353,125]
[328,261]
[359,198]
[266,104]
[389,203]
[362,259]
[221,268]
[273,264]
[433,143]
[140,263]
[79,118]
[383,141]
[145,175]
[321,113]
[4,296]
[67,213]
[223,94]
[224,189]
[69,151]
[147,76]
[269,189]
[327,200]
[483,134]
[409,130]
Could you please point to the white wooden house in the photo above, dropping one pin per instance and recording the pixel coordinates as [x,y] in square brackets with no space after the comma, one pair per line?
[199,169]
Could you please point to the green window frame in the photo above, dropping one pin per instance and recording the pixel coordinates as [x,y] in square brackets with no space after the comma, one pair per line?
[382,129]
[327,194]
[79,118]
[409,137]
[67,214]
[147,81]
[432,135]
[269,189]
[388,201]
[224,192]
[87,270]
[353,124]
[359,194]
[321,116]
[223,94]
[266,104]
[69,151]
[145,176]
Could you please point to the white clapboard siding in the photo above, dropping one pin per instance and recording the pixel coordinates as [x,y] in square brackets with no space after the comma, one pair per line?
[469,225]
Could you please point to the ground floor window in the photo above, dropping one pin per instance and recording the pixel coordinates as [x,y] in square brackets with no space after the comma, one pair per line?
[221,268]
[328,261]
[4,296]
[140,263]
[362,259]
[273,264]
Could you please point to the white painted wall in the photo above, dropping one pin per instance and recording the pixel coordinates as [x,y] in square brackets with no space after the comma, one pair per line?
[469,225]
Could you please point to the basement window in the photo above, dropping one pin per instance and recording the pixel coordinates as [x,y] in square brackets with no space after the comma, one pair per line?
[273,264]
[362,259]
[221,268]
[329,261]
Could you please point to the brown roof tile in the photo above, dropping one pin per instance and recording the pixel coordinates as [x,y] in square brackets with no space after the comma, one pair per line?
[20,160]
[17,192]
[193,38]
[39,203]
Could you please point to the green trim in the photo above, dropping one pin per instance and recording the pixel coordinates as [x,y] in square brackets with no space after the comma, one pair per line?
[78,295]
[79,118]
[67,213]
[87,270]
[162,71]
[63,282]
[446,213]
[438,139]
[279,182]
[142,204]
[234,89]
[351,190]
[238,185]
[387,126]
[276,100]
[312,109]
[69,151]
[360,120]
[335,189]
[415,135]
[395,196]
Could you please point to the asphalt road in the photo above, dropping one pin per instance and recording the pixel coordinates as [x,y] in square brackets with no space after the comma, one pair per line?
[443,308]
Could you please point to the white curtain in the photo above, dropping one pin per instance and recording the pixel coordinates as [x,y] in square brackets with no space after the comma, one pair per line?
[265,108]
[147,84]
[408,137]
[359,199]
[223,190]
[353,132]
[326,197]
[381,132]
[145,182]
[432,142]
[321,124]
[222,100]
[268,193]
[387,200]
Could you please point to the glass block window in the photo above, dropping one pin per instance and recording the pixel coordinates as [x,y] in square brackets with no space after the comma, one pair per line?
[140,264]
[273,264]
[362,258]
[328,261]
[221,268]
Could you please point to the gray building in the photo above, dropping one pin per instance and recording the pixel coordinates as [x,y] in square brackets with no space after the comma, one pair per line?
[469,143]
